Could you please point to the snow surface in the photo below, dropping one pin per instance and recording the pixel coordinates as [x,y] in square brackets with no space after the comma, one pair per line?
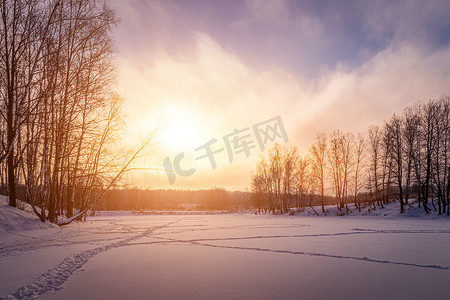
[228,256]
[13,219]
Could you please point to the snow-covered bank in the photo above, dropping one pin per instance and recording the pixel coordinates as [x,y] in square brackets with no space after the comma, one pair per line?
[13,219]
[390,210]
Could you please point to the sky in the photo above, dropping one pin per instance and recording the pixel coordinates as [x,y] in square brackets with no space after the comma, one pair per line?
[204,69]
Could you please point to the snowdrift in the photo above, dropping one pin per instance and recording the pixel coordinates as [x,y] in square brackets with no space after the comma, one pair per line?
[14,219]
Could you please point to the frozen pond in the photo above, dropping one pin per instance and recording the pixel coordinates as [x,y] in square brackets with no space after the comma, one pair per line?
[230,257]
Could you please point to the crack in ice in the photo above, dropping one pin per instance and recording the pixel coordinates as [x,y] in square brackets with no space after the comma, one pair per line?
[367,259]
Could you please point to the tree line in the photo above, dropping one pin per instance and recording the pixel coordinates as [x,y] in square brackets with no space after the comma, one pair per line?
[60,115]
[408,157]
[213,199]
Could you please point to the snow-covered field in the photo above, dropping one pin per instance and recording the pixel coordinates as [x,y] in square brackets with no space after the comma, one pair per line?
[228,256]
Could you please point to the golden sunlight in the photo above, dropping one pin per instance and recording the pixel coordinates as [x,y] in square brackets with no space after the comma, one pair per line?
[182,132]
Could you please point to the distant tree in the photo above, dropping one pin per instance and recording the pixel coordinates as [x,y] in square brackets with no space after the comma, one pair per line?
[217,199]
[318,163]
[375,157]
[303,180]
[273,184]
[261,186]
[410,137]
[359,167]
[394,129]
[340,157]
[428,128]
[290,163]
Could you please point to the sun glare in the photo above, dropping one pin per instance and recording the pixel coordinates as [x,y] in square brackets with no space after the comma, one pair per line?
[181,132]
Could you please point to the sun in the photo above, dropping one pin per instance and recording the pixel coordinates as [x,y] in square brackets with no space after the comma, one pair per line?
[182,131]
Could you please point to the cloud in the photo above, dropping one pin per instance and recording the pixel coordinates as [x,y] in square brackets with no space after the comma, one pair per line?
[191,72]
[413,21]
[221,93]
[387,83]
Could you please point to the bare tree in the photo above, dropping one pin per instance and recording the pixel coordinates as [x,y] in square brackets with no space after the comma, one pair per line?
[359,167]
[59,111]
[260,186]
[393,132]
[303,182]
[375,156]
[410,137]
[290,162]
[341,160]
[318,161]
[429,127]
[274,182]
[23,30]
